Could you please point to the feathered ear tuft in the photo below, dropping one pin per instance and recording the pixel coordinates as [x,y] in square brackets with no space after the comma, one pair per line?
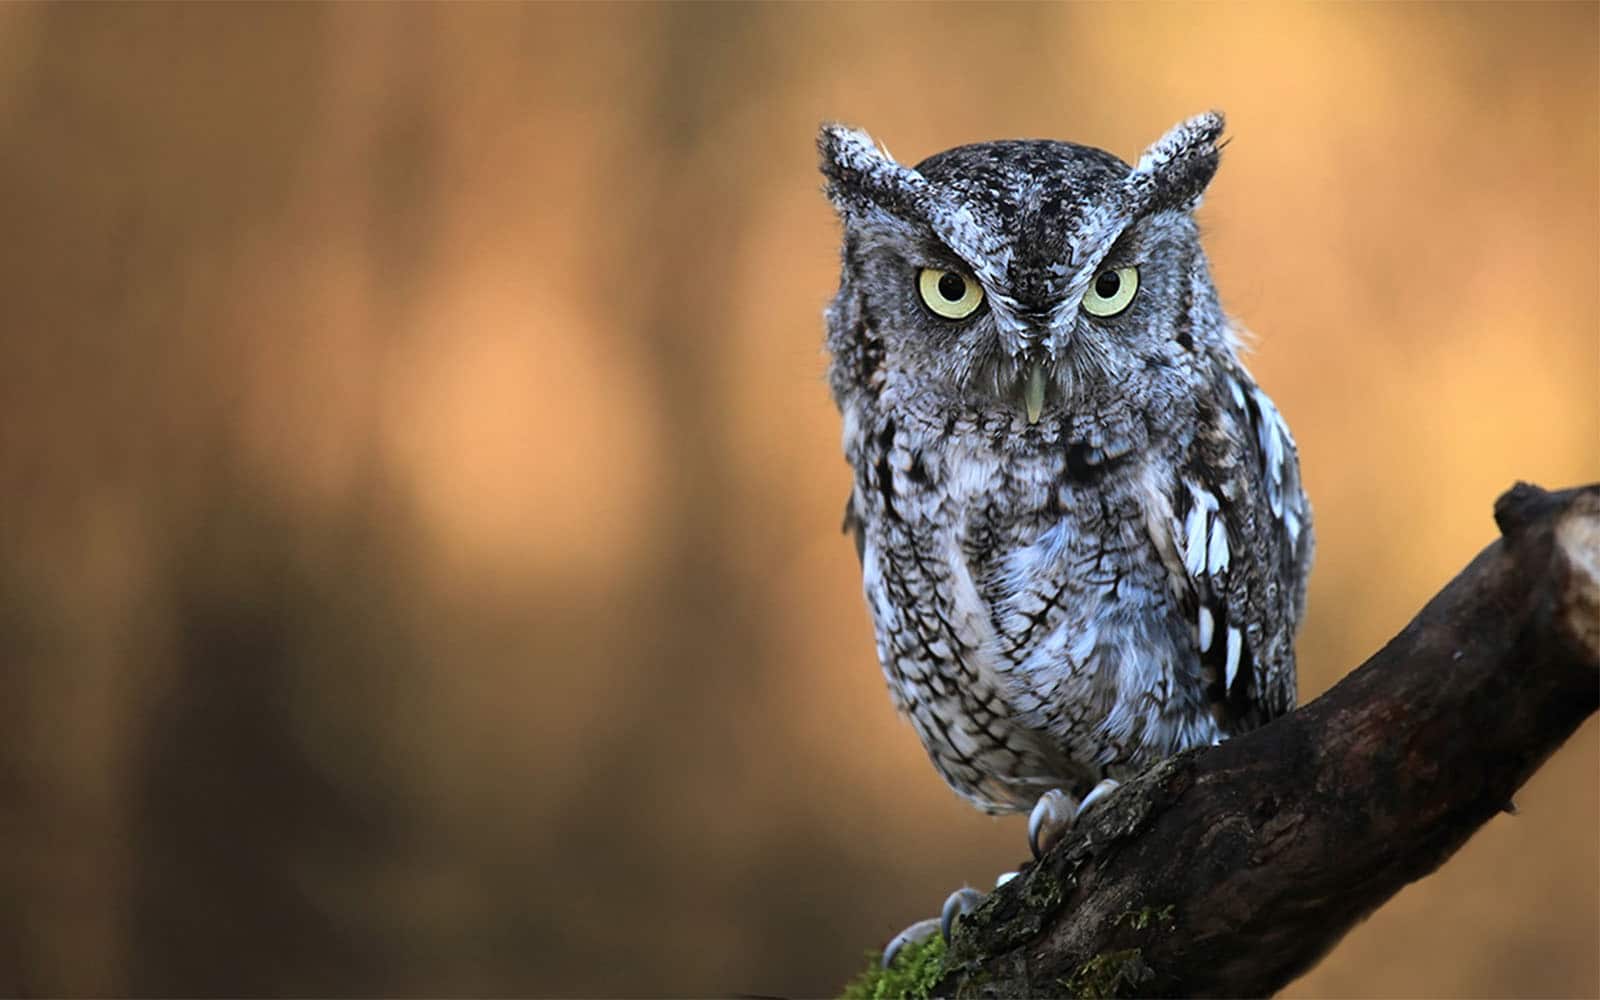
[1174,172]
[861,174]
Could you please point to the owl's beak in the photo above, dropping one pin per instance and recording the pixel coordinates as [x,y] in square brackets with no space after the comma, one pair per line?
[1033,391]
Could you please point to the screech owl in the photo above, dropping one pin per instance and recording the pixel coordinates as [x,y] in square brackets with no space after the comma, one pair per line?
[1083,538]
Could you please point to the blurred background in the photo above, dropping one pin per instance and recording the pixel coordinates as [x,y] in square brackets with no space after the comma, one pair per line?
[420,568]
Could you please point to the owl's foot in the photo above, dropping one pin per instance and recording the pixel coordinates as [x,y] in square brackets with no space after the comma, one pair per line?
[917,933]
[957,905]
[1052,817]
[1055,813]
[1097,794]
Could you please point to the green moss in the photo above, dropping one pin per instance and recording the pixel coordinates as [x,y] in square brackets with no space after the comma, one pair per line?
[912,977]
[919,967]
[1043,891]
[1150,916]
[1113,974]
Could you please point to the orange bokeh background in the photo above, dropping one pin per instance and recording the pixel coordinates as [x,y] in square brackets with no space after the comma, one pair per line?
[419,555]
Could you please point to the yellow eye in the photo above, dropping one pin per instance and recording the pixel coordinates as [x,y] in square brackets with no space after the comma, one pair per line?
[1111,292]
[951,294]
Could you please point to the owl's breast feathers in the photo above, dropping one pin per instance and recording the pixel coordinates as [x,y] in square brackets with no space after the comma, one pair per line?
[1050,617]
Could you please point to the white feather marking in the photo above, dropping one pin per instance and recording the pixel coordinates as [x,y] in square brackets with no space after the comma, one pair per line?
[1194,546]
[1291,520]
[1207,624]
[1271,434]
[851,425]
[1217,555]
[1235,646]
[1238,392]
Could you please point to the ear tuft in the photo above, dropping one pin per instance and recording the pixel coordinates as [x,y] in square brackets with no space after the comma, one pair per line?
[861,173]
[846,151]
[1174,172]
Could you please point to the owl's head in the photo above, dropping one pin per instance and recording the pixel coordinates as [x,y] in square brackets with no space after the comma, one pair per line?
[1021,277]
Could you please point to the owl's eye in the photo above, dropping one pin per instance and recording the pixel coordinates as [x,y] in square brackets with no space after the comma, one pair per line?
[951,294]
[1111,292]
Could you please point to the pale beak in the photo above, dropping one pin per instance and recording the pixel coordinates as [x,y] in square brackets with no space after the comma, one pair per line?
[1033,391]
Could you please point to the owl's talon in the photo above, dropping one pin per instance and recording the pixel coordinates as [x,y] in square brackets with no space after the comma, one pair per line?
[1051,817]
[957,905]
[918,932]
[1096,794]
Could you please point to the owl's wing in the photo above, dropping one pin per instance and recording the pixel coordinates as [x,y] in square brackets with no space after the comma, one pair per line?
[1243,531]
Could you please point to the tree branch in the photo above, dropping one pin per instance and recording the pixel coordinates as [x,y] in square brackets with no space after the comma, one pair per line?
[1231,870]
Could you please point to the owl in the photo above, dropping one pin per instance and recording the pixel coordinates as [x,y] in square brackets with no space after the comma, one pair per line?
[1083,539]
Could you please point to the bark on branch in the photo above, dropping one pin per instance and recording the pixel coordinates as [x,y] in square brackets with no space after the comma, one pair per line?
[1231,870]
